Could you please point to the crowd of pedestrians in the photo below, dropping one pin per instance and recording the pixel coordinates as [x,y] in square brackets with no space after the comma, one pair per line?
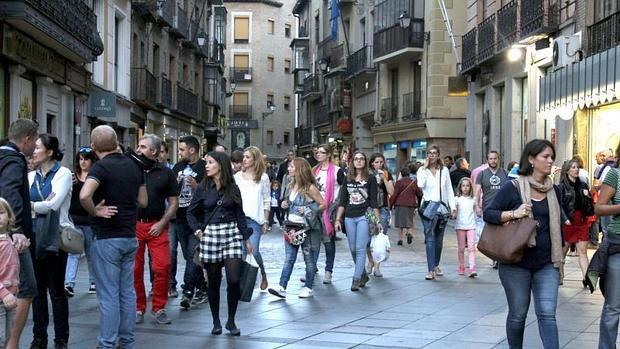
[135,209]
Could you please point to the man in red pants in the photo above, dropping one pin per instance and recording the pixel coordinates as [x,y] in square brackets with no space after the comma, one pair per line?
[152,232]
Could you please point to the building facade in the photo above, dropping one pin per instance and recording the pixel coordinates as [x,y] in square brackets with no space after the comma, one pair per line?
[44,48]
[262,107]
[371,81]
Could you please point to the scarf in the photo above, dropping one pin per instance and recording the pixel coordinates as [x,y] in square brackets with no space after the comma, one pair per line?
[526,183]
[329,196]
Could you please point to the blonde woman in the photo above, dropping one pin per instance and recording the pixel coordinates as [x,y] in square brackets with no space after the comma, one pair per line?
[255,190]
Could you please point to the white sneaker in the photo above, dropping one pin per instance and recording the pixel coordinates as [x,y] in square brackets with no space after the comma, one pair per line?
[305,292]
[327,279]
[278,292]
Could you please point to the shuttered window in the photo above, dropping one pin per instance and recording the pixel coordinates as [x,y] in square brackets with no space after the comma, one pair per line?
[242,29]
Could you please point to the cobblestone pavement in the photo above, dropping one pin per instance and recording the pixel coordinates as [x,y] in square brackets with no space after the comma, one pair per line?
[400,310]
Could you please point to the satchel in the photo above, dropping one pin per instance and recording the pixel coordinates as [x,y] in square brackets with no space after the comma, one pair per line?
[72,240]
[506,243]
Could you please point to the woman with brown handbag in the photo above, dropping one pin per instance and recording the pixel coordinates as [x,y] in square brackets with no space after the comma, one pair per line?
[532,194]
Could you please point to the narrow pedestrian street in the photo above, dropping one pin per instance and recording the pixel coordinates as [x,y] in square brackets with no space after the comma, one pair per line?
[400,310]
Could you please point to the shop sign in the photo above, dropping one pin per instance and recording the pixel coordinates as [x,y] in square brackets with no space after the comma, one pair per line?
[418,144]
[240,139]
[389,146]
[102,104]
[242,124]
[403,144]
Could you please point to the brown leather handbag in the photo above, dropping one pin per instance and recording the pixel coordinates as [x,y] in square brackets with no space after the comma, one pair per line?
[506,243]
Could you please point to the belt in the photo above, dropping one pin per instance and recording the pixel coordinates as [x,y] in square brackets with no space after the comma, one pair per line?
[148,220]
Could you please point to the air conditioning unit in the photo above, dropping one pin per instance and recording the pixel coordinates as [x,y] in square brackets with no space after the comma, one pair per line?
[567,50]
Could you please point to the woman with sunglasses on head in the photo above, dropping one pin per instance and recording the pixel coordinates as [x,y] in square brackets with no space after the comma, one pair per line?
[434,180]
[359,194]
[84,159]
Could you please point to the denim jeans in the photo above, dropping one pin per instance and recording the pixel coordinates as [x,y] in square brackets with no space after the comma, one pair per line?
[291,257]
[74,259]
[193,276]
[257,231]
[357,234]
[330,254]
[433,238]
[611,307]
[113,261]
[520,284]
[174,245]
[385,218]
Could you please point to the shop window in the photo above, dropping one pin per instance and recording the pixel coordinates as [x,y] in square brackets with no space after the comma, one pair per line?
[242,30]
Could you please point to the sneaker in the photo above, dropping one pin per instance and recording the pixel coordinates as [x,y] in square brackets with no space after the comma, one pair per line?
[438,271]
[305,292]
[139,317]
[92,289]
[377,273]
[173,293]
[461,269]
[38,343]
[472,273]
[430,276]
[161,317]
[69,292]
[355,285]
[327,279]
[278,292]
[200,297]
[60,343]
[186,302]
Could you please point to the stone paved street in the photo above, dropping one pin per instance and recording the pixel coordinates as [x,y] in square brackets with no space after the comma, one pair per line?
[399,310]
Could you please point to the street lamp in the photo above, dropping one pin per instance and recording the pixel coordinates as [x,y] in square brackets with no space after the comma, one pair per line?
[323,65]
[201,39]
[271,108]
[404,19]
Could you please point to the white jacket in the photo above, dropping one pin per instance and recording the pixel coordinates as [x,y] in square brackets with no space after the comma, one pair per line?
[430,186]
[62,186]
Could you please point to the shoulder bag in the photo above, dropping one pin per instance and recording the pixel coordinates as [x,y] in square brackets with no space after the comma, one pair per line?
[506,242]
[430,209]
[196,258]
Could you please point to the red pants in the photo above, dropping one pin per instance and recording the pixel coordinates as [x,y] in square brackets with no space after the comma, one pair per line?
[160,262]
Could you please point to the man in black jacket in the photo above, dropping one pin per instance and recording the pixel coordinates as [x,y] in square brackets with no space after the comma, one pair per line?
[283,169]
[14,188]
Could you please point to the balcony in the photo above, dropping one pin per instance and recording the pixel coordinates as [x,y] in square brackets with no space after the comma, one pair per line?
[359,62]
[67,26]
[507,25]
[303,136]
[165,13]
[192,32]
[539,18]
[204,112]
[187,102]
[469,50]
[321,116]
[240,74]
[486,39]
[604,34]
[301,54]
[143,87]
[216,52]
[412,106]
[240,112]
[180,28]
[331,51]
[389,110]
[147,9]
[165,98]
[395,41]
[311,89]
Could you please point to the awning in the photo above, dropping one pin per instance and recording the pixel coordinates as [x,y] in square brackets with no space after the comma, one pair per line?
[591,82]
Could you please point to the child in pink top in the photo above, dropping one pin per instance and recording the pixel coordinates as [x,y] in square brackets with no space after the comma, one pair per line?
[9,272]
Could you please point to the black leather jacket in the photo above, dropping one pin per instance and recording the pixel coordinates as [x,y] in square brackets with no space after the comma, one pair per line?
[570,196]
[15,189]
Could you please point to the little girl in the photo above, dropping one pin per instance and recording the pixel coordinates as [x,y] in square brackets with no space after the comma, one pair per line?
[466,225]
[9,272]
[275,203]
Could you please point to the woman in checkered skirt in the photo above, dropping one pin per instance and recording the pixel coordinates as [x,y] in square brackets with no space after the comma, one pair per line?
[216,216]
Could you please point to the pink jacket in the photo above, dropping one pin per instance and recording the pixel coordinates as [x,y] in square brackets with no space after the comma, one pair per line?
[9,268]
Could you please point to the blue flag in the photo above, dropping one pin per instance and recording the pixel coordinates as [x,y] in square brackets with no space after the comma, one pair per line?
[335,15]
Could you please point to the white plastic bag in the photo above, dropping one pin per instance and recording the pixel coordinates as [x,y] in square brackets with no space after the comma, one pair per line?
[380,247]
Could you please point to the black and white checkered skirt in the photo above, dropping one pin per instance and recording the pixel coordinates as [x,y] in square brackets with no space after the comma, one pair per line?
[221,241]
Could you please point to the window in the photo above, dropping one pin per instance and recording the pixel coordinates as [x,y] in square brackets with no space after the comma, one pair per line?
[287,30]
[241,61]
[242,30]
[287,102]
[117,47]
[287,138]
[604,8]
[270,99]
[271,26]
[269,137]
[287,65]
[270,63]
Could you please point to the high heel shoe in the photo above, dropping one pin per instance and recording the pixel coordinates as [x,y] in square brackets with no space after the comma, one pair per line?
[217,330]
[232,329]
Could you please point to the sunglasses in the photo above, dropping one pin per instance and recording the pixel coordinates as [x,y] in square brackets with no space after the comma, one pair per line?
[85,150]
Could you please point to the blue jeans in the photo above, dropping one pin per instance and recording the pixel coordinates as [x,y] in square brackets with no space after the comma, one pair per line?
[433,238]
[174,245]
[385,218]
[520,284]
[113,261]
[611,307]
[330,254]
[257,231]
[357,234]
[74,259]
[291,257]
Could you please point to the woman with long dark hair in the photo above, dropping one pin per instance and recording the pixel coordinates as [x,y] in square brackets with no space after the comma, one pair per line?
[538,274]
[216,216]
[50,190]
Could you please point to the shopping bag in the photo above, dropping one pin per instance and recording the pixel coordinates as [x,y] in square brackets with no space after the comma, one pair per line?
[380,247]
[249,273]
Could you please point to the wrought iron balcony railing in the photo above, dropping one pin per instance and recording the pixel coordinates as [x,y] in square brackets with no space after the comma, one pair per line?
[604,34]
[469,50]
[240,74]
[389,110]
[507,25]
[180,27]
[216,52]
[187,101]
[143,87]
[538,17]
[303,136]
[165,99]
[486,39]
[311,87]
[321,115]
[412,106]
[243,112]
[165,12]
[396,38]
[359,61]
[332,51]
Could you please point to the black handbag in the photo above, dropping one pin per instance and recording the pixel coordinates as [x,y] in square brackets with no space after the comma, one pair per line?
[249,274]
